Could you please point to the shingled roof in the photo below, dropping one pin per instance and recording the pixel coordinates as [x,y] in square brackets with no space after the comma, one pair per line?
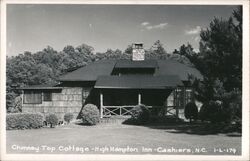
[172,67]
[92,71]
[138,82]
[136,64]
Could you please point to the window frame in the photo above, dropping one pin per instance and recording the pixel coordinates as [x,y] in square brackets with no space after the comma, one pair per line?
[85,93]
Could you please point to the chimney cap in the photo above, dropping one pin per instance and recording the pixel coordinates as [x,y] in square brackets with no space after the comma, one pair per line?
[138,44]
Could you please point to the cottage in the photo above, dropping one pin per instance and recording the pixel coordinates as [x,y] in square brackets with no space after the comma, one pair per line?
[115,87]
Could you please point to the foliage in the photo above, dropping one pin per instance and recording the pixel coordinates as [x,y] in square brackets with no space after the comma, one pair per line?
[203,114]
[68,117]
[24,121]
[221,50]
[52,119]
[191,111]
[140,115]
[187,52]
[220,62]
[157,51]
[90,114]
[215,112]
[42,67]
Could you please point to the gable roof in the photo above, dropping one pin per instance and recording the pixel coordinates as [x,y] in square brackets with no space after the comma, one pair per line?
[105,67]
[138,82]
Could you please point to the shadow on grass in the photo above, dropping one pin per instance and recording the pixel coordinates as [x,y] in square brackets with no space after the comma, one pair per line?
[195,128]
[199,129]
[82,124]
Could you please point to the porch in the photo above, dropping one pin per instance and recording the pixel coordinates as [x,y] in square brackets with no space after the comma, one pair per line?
[119,94]
[120,102]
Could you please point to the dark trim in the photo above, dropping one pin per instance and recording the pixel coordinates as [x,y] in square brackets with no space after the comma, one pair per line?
[88,84]
[103,87]
[40,88]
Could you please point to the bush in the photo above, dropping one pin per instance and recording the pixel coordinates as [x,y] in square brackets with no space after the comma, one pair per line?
[203,114]
[214,112]
[90,114]
[191,111]
[24,121]
[68,117]
[52,119]
[140,114]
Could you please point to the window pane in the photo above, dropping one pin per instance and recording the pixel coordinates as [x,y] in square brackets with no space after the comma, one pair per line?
[188,95]
[47,96]
[32,97]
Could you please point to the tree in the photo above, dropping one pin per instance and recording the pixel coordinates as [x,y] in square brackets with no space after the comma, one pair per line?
[157,51]
[187,51]
[221,49]
[158,48]
[129,50]
[220,62]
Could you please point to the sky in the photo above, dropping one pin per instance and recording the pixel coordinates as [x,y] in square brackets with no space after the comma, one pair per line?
[33,27]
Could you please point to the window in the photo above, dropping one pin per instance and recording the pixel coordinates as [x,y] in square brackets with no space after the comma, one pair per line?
[85,93]
[189,95]
[32,97]
[47,96]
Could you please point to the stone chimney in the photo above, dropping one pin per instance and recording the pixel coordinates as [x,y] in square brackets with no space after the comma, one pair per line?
[138,52]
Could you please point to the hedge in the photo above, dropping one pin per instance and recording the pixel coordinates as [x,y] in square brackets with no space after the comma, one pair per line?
[24,121]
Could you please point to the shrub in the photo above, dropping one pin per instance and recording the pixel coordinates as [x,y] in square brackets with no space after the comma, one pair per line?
[68,117]
[52,119]
[204,112]
[191,111]
[140,114]
[214,112]
[24,121]
[90,114]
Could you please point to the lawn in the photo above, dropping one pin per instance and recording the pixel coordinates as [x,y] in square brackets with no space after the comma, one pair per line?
[121,139]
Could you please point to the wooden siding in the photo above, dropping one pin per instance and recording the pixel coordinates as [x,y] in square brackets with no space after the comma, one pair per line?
[69,100]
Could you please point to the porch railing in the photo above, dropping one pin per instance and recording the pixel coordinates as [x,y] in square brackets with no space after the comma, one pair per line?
[125,110]
[117,110]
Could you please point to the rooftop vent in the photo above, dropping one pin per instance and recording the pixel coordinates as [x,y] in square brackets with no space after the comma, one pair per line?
[138,52]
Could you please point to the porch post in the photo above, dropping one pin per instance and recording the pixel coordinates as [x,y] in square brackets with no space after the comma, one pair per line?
[139,98]
[22,97]
[176,103]
[101,104]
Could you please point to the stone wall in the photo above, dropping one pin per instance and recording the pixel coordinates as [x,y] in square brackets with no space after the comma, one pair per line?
[69,100]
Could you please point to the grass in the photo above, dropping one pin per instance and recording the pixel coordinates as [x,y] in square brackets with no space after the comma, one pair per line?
[105,137]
